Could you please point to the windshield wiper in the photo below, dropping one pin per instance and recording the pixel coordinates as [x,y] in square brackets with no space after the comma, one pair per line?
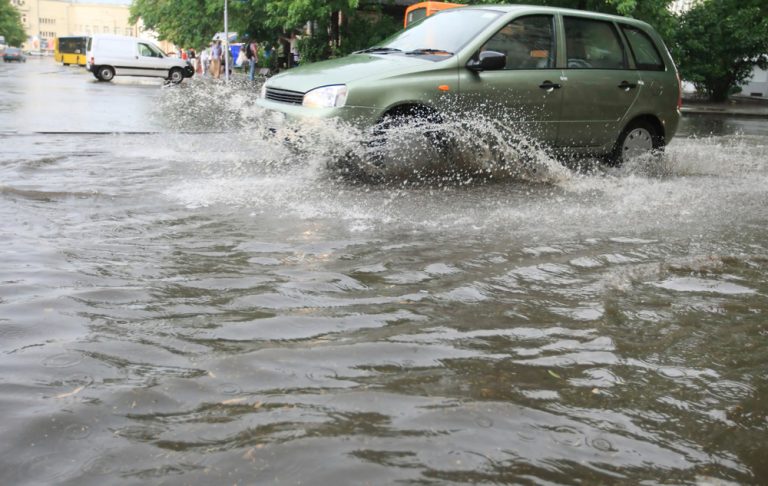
[378,50]
[422,52]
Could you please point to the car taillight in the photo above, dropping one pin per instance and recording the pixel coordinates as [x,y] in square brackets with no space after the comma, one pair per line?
[92,63]
[679,92]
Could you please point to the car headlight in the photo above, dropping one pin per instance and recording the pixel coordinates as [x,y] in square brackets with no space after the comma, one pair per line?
[264,91]
[326,97]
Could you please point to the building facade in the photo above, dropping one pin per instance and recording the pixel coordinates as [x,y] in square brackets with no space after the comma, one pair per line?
[45,20]
[757,86]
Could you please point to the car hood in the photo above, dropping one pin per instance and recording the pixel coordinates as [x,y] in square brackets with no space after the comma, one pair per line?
[347,70]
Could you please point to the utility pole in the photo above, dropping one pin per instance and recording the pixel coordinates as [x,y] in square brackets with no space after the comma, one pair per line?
[226,43]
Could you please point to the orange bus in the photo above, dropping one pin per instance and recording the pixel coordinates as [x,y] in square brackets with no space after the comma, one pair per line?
[418,11]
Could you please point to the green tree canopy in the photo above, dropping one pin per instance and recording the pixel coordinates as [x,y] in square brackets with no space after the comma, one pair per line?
[717,43]
[10,24]
[188,23]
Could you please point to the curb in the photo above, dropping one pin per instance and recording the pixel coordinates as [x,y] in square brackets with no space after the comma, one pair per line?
[724,112]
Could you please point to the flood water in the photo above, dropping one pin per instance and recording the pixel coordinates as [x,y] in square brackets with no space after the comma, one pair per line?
[204,304]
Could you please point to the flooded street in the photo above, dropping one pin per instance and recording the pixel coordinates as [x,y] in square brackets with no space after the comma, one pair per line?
[191,301]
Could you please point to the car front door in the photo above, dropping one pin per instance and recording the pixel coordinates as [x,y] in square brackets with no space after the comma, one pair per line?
[598,86]
[526,93]
[152,61]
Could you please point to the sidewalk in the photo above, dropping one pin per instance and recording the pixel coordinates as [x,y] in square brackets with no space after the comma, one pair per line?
[736,106]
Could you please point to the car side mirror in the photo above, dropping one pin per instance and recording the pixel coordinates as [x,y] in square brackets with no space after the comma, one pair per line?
[488,61]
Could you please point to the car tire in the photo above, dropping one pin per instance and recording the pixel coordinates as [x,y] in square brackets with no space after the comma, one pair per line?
[96,75]
[105,73]
[638,139]
[176,75]
[405,143]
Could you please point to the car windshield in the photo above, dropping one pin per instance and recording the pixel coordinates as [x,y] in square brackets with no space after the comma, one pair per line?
[447,31]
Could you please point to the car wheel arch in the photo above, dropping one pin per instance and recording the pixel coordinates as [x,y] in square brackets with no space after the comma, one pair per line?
[654,122]
[648,124]
[106,73]
[410,109]
[175,75]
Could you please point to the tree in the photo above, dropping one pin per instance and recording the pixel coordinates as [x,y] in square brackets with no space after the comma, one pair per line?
[10,24]
[718,42]
[183,22]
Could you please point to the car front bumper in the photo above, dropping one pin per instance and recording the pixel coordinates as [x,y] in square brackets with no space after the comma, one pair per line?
[357,116]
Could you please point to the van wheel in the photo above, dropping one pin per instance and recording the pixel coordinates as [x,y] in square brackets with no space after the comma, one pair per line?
[96,75]
[638,139]
[105,73]
[176,76]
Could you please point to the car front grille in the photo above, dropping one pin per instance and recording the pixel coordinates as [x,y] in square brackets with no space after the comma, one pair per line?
[284,96]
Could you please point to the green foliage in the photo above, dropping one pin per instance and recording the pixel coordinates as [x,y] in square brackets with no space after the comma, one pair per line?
[290,14]
[186,23]
[314,48]
[717,43]
[10,24]
[366,29]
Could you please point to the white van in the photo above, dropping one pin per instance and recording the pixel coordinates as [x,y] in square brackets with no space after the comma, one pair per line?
[108,56]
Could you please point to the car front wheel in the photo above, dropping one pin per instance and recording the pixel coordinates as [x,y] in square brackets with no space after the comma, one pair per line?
[176,76]
[638,139]
[105,73]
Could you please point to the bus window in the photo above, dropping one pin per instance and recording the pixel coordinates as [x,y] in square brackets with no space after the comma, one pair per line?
[414,15]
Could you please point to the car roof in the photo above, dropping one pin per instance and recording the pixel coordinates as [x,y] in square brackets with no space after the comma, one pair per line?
[507,8]
[119,37]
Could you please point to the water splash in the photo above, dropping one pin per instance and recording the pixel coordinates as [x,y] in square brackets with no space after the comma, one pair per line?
[477,172]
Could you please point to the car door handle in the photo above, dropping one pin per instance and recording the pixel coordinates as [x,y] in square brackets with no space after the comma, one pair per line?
[626,86]
[549,86]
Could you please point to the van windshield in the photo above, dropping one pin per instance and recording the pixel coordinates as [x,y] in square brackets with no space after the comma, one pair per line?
[446,31]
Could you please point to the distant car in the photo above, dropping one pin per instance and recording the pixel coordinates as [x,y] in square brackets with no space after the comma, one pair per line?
[111,55]
[14,54]
[577,81]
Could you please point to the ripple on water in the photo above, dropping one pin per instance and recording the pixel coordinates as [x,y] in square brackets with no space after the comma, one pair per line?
[62,360]
[692,284]
[77,431]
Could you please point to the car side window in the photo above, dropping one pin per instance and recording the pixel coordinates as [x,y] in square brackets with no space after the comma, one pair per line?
[647,57]
[528,43]
[593,44]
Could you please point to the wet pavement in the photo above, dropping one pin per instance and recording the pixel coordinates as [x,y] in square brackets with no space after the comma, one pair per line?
[187,300]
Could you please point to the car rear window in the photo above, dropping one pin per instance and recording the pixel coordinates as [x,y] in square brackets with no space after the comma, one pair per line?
[647,57]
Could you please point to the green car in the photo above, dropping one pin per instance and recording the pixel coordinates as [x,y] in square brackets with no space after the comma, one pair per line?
[575,81]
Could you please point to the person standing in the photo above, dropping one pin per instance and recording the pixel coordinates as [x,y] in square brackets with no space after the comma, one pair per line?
[205,57]
[252,53]
[216,54]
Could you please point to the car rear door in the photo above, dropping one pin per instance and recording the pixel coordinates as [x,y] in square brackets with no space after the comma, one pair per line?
[599,88]
[526,92]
